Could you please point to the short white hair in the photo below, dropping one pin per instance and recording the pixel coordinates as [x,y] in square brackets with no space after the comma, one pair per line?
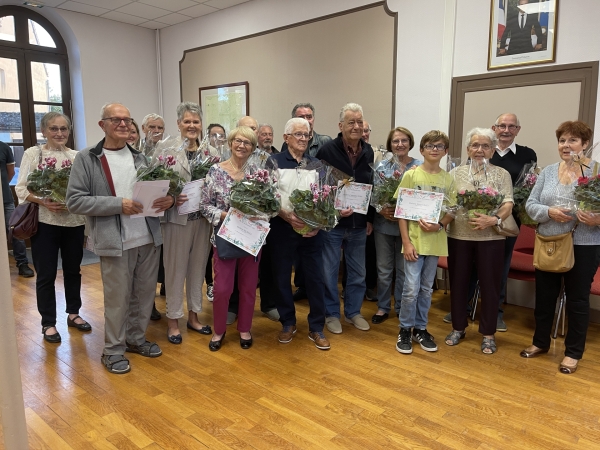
[296,121]
[151,116]
[486,132]
[265,125]
[507,114]
[354,107]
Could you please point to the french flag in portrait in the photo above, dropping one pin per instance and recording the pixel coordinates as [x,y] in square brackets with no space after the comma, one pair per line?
[501,15]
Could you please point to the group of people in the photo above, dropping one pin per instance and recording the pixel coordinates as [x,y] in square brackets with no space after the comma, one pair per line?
[405,251]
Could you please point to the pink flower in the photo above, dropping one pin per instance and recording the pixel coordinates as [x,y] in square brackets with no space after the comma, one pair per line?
[50,162]
[462,192]
[66,163]
[397,174]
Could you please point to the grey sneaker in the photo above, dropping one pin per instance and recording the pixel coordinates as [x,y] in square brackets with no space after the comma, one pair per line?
[272,314]
[424,339]
[500,325]
[359,322]
[404,344]
[147,349]
[448,318]
[231,318]
[333,325]
[117,364]
[210,292]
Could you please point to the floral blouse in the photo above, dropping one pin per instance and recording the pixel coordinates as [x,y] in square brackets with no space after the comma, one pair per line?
[215,194]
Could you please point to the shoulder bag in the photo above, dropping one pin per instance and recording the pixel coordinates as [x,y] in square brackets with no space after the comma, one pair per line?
[508,227]
[23,222]
[554,253]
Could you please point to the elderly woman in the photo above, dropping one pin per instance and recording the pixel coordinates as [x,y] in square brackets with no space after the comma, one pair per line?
[134,135]
[557,181]
[388,243]
[473,241]
[186,236]
[57,230]
[214,205]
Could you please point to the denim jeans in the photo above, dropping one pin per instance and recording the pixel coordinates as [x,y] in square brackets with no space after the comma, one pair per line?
[416,295]
[19,249]
[388,248]
[353,240]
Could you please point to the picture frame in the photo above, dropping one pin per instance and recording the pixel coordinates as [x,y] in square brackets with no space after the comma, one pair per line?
[509,45]
[225,104]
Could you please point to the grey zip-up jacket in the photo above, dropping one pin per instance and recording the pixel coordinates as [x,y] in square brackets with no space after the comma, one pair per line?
[89,194]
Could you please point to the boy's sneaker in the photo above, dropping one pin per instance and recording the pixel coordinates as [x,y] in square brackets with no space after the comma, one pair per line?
[404,344]
[425,340]
[209,292]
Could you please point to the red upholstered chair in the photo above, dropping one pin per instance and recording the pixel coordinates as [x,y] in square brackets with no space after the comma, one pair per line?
[443,264]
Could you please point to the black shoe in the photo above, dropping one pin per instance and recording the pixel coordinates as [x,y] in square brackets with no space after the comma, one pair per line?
[163,291]
[175,339]
[404,344]
[246,343]
[25,271]
[80,326]
[213,346]
[155,313]
[380,318]
[204,330]
[52,338]
[300,294]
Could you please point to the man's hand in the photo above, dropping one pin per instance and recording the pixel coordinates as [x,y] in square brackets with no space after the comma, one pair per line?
[369,228]
[163,203]
[311,233]
[292,219]
[538,47]
[346,212]
[131,207]
[502,51]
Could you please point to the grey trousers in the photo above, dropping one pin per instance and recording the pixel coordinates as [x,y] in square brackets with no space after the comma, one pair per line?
[129,288]
[185,253]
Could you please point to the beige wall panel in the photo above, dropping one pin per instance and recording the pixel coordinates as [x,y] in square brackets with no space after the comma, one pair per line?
[328,63]
[540,110]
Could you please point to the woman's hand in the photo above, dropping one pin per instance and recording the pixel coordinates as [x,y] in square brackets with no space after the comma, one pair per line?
[388,213]
[181,199]
[588,218]
[292,219]
[52,206]
[163,203]
[560,214]
[482,221]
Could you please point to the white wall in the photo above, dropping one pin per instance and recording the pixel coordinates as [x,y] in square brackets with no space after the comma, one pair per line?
[115,62]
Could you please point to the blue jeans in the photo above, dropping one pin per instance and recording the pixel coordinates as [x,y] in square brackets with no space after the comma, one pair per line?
[353,240]
[388,249]
[416,295]
[19,249]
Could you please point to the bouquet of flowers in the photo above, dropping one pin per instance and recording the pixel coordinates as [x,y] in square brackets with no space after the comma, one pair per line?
[587,193]
[255,194]
[161,169]
[483,200]
[203,161]
[522,190]
[49,181]
[386,179]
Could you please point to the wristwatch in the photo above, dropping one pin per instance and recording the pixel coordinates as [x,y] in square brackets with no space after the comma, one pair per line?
[441,226]
[499,219]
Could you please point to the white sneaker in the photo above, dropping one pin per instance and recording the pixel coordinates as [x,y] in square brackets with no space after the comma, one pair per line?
[333,325]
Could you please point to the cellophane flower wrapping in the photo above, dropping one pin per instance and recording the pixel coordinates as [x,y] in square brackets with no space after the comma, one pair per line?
[47,180]
[161,166]
[587,193]
[315,204]
[204,160]
[256,194]
[386,179]
[522,190]
[258,159]
[484,197]
[148,146]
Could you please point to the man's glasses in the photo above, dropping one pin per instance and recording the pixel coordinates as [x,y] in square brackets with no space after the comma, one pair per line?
[430,147]
[57,129]
[509,127]
[117,120]
[301,135]
[246,144]
[306,116]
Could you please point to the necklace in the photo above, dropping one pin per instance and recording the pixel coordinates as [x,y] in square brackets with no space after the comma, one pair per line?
[236,169]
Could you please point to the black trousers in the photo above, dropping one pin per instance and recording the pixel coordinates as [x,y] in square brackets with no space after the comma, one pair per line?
[44,249]
[488,257]
[286,247]
[578,283]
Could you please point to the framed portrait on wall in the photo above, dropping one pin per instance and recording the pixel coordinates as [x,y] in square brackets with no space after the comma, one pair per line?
[225,104]
[522,32]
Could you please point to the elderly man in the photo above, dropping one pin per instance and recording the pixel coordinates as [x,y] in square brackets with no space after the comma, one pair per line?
[153,127]
[286,245]
[353,156]
[265,138]
[250,122]
[366,132]
[101,188]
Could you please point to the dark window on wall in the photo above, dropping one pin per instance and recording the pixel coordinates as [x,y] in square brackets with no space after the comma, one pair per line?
[34,77]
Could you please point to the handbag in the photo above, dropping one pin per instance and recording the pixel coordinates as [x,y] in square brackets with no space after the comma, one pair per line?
[23,222]
[226,249]
[508,227]
[554,253]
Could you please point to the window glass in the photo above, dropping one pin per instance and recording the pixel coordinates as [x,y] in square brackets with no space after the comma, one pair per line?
[9,79]
[38,35]
[7,28]
[45,80]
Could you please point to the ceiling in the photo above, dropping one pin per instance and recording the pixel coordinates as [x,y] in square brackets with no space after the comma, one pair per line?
[154,14]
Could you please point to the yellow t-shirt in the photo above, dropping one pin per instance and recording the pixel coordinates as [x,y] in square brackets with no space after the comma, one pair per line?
[429,243]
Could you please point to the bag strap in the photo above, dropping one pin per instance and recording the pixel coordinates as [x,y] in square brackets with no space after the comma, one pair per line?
[106,169]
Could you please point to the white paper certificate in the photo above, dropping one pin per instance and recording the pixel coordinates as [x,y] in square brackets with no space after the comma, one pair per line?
[413,204]
[146,192]
[353,195]
[193,189]
[249,235]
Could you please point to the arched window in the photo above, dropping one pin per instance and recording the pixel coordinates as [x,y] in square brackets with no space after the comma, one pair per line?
[34,77]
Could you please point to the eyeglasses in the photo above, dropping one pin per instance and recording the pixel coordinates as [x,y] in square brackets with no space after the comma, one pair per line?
[246,144]
[400,141]
[366,130]
[509,127]
[301,135]
[354,123]
[117,120]
[478,146]
[430,147]
[306,116]
[57,129]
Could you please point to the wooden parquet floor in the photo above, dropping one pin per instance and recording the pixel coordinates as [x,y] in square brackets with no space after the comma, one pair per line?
[362,394]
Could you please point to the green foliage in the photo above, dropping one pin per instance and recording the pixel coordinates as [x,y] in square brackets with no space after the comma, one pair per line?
[587,192]
[486,199]
[255,197]
[161,172]
[320,214]
[49,183]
